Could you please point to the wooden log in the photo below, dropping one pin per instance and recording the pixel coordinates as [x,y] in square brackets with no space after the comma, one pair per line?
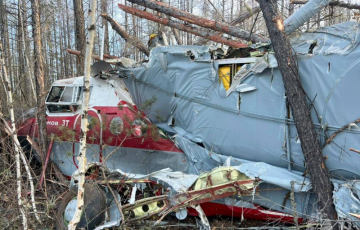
[96,57]
[200,21]
[245,16]
[333,3]
[186,28]
[121,31]
[236,21]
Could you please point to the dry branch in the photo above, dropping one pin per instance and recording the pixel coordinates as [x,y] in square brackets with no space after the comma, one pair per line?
[96,57]
[333,3]
[200,21]
[189,29]
[245,16]
[355,150]
[340,130]
[134,41]
[236,21]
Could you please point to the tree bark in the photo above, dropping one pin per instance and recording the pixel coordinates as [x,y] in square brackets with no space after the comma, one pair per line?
[79,35]
[25,46]
[71,72]
[310,145]
[333,3]
[84,116]
[96,57]
[39,77]
[104,5]
[234,22]
[134,41]
[245,16]
[7,85]
[189,29]
[203,22]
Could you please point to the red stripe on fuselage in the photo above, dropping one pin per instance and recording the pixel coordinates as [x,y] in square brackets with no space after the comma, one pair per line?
[63,128]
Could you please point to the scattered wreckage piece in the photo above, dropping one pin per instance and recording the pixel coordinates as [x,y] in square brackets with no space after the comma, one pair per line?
[164,191]
[186,28]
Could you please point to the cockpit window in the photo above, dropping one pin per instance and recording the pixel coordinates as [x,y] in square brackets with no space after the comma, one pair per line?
[55,94]
[65,99]
[67,94]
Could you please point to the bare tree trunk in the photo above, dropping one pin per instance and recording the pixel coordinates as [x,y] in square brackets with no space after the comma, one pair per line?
[96,57]
[310,145]
[39,77]
[14,137]
[84,117]
[193,19]
[104,5]
[6,39]
[79,35]
[333,3]
[71,72]
[20,59]
[122,32]
[26,51]
[180,26]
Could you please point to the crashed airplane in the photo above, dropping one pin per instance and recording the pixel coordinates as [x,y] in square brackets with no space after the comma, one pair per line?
[199,131]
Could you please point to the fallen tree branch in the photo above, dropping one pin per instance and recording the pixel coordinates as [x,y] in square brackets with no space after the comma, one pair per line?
[245,15]
[339,131]
[134,41]
[58,174]
[189,29]
[34,145]
[333,3]
[96,57]
[236,21]
[200,21]
[217,11]
[355,150]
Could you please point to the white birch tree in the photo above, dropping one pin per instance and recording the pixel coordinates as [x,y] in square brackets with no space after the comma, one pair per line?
[84,115]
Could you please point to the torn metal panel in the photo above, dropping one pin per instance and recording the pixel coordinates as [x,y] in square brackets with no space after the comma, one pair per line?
[274,175]
[199,158]
[339,39]
[346,200]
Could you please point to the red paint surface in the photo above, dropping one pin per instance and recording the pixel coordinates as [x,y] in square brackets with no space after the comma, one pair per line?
[126,138]
[215,209]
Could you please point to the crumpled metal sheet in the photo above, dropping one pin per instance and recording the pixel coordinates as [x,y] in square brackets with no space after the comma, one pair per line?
[275,175]
[347,199]
[199,158]
[261,63]
[337,39]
